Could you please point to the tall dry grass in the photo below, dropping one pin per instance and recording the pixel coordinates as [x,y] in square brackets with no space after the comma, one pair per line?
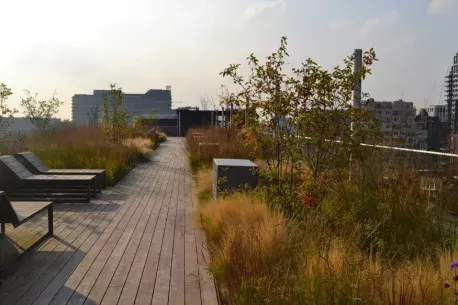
[86,147]
[259,256]
[142,145]
[204,182]
[230,145]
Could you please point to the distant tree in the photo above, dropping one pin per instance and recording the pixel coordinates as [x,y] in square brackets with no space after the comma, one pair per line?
[93,115]
[205,101]
[114,116]
[40,112]
[146,121]
[6,113]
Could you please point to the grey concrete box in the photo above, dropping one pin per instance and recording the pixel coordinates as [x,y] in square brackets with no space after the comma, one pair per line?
[232,174]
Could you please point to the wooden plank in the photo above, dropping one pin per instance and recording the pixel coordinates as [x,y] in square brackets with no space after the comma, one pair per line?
[29,263]
[143,250]
[47,248]
[75,262]
[72,247]
[162,285]
[177,278]
[12,232]
[86,273]
[133,262]
[148,278]
[132,282]
[192,283]
[30,231]
[59,280]
[115,272]
[71,232]
[27,209]
[116,237]
[28,236]
[207,282]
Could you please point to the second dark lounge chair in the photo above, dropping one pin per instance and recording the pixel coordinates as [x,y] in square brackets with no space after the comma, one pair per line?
[38,167]
[20,184]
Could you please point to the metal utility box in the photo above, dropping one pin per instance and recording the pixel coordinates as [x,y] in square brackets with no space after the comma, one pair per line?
[232,174]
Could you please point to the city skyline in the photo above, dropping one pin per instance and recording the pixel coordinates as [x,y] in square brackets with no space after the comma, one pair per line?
[73,48]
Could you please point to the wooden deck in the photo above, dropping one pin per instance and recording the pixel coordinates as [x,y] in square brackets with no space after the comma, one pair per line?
[136,244]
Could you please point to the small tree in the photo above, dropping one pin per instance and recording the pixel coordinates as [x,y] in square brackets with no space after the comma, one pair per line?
[93,115]
[146,121]
[40,112]
[205,102]
[299,122]
[6,113]
[114,116]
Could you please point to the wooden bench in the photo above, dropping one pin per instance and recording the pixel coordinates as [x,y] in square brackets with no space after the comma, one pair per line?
[18,213]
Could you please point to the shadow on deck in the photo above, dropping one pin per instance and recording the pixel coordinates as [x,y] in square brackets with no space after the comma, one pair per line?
[136,244]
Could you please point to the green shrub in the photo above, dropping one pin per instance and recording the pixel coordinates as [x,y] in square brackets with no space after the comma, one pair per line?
[393,215]
[330,222]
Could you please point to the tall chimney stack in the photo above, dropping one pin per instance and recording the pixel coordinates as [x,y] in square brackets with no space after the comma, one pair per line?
[357,93]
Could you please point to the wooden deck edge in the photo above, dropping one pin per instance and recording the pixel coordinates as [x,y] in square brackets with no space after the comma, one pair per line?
[203,256]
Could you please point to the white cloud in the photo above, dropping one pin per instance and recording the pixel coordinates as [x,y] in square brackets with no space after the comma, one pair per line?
[376,24]
[142,44]
[442,6]
[257,8]
[386,33]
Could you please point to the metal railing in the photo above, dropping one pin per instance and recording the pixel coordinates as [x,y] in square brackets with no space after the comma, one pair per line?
[419,160]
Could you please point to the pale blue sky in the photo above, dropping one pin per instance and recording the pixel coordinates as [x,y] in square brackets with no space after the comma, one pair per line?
[74,47]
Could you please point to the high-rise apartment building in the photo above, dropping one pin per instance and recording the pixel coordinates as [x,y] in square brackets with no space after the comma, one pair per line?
[160,101]
[439,111]
[451,95]
[397,123]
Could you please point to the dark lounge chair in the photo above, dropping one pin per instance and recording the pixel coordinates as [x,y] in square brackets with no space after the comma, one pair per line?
[20,184]
[17,213]
[38,167]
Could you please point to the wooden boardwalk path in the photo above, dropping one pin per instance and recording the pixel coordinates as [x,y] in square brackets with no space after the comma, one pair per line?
[136,244]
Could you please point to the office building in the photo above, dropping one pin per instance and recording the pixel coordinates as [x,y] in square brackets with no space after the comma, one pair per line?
[439,111]
[160,101]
